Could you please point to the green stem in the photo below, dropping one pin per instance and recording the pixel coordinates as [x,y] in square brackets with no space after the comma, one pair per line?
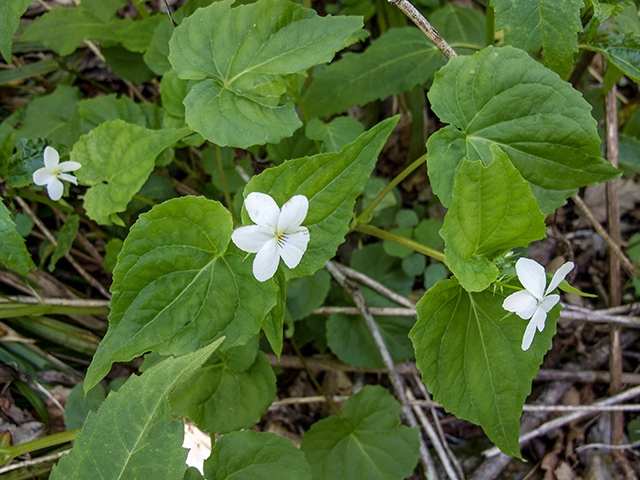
[11,310]
[491,23]
[506,285]
[27,195]
[407,242]
[142,199]
[8,454]
[303,107]
[470,46]
[225,189]
[139,4]
[392,184]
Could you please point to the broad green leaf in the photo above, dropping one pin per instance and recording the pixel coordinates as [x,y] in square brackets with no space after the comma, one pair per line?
[334,135]
[395,62]
[273,325]
[367,442]
[22,164]
[230,392]
[238,51]
[597,13]
[493,209]
[469,350]
[65,239]
[126,64]
[331,182]
[173,91]
[117,158]
[291,147]
[306,294]
[251,455]
[78,405]
[103,8]
[95,111]
[623,52]
[13,252]
[547,24]
[503,96]
[53,116]
[174,289]
[10,13]
[133,435]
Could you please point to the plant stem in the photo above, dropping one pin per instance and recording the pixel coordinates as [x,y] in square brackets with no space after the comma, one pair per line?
[225,189]
[144,200]
[385,191]
[11,310]
[8,454]
[60,204]
[313,379]
[139,4]
[407,242]
[491,23]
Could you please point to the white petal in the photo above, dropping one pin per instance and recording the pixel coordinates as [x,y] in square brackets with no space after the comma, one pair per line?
[293,246]
[529,333]
[266,262]
[69,166]
[262,209]
[539,319]
[252,237]
[549,302]
[42,176]
[51,157]
[55,189]
[558,277]
[522,303]
[68,178]
[531,275]
[293,213]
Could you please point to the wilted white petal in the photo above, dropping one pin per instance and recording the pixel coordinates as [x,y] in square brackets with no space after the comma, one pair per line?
[522,303]
[531,275]
[529,333]
[266,262]
[42,176]
[55,189]
[51,158]
[262,209]
[558,277]
[252,237]
[69,166]
[293,247]
[293,212]
[68,178]
[549,302]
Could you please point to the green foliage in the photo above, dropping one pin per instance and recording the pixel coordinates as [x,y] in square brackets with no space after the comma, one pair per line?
[496,204]
[175,289]
[468,349]
[79,405]
[366,442]
[239,100]
[117,158]
[252,455]
[10,13]
[331,182]
[229,392]
[334,135]
[13,252]
[623,51]
[539,121]
[306,294]
[65,239]
[547,24]
[22,164]
[133,435]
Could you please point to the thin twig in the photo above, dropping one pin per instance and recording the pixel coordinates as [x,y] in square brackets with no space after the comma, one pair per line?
[433,436]
[305,400]
[626,263]
[378,287]
[559,422]
[33,461]
[606,446]
[398,386]
[422,23]
[83,273]
[65,302]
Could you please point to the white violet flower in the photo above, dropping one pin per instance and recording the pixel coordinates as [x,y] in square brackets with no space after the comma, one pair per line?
[52,172]
[534,302]
[277,233]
